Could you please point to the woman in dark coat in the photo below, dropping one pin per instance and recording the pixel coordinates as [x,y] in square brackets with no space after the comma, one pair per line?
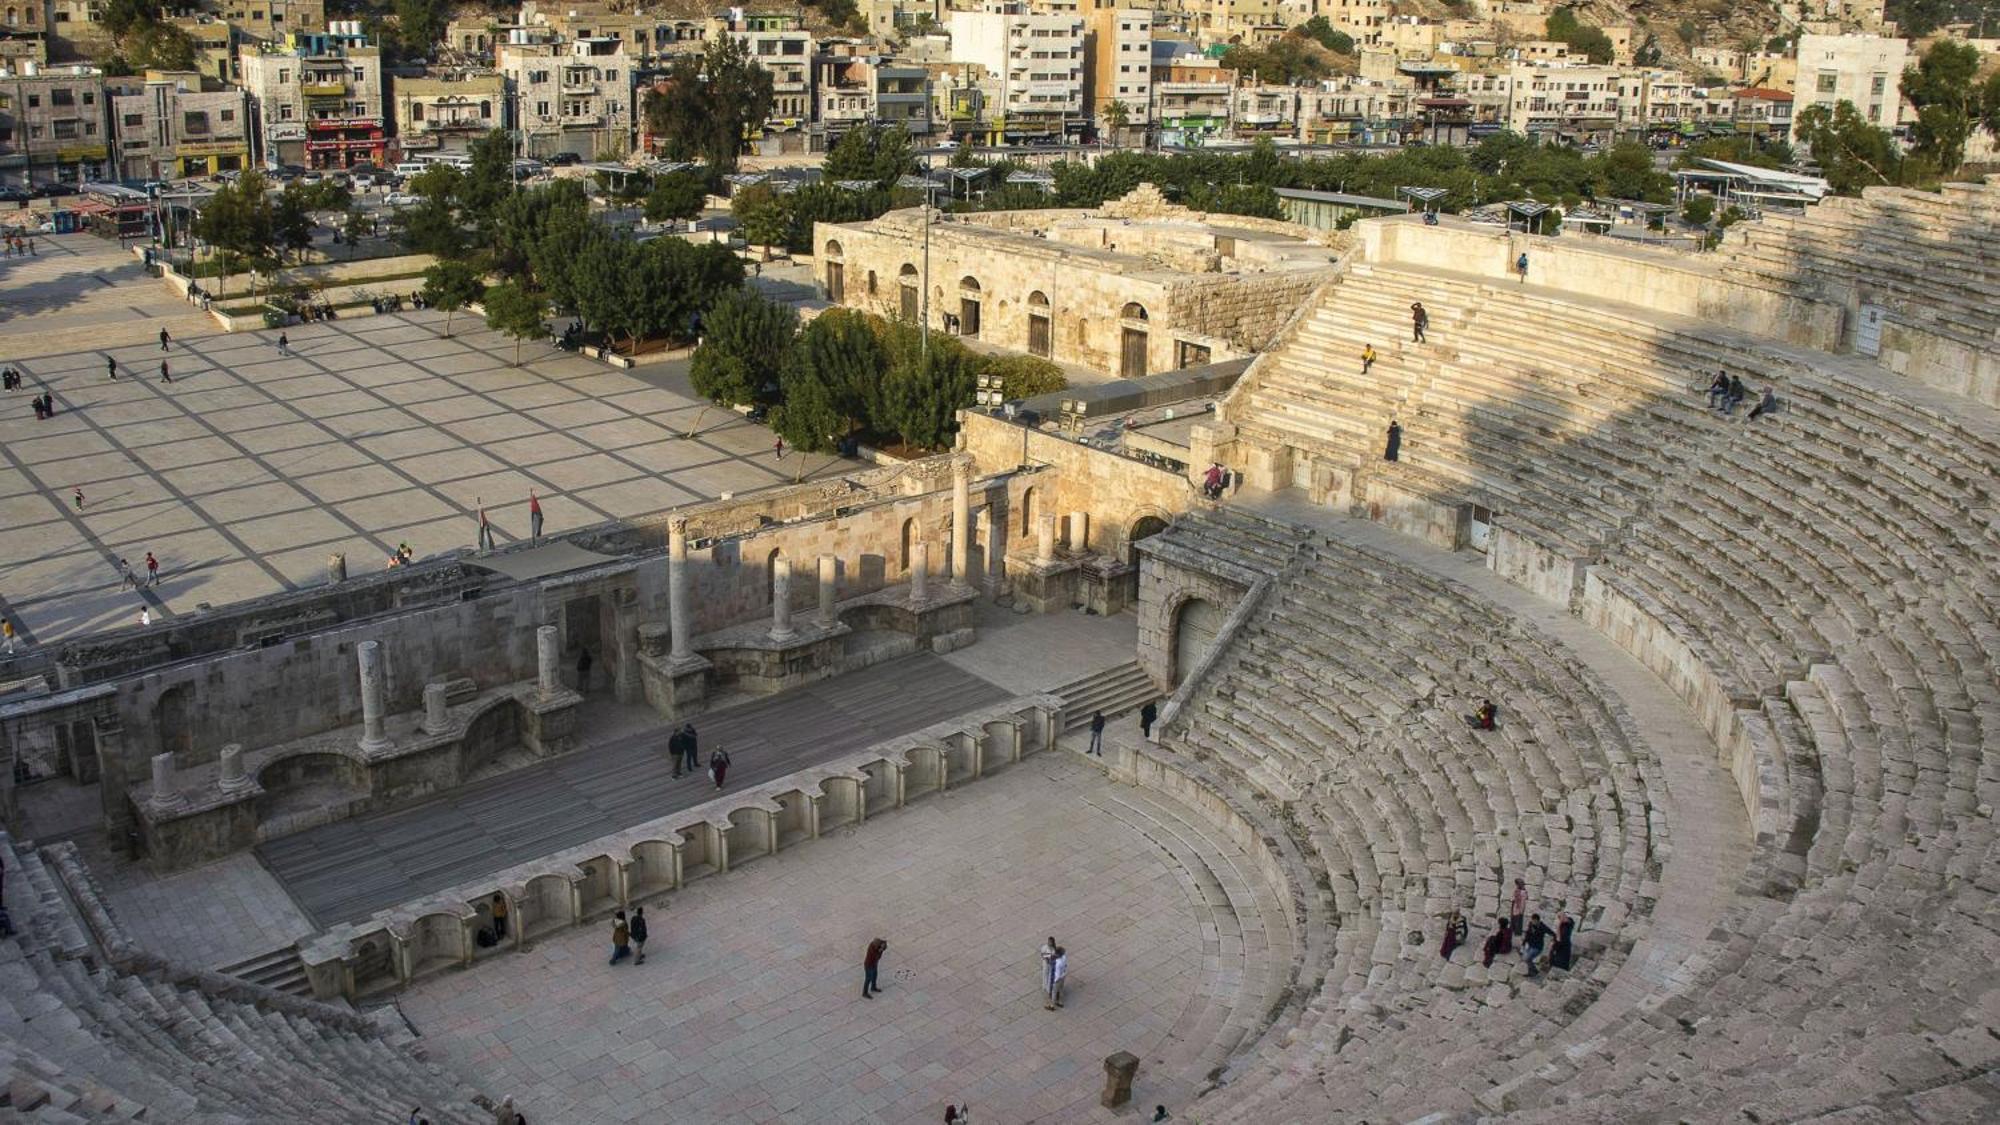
[1498,942]
[1455,931]
[1559,953]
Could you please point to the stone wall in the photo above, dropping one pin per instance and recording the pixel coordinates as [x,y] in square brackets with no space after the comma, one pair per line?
[1113,492]
[1163,589]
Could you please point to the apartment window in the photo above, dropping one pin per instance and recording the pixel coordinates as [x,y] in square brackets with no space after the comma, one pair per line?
[90,97]
[196,122]
[542,108]
[133,120]
[284,113]
[360,109]
[90,128]
[1827,81]
[34,101]
[284,76]
[1875,111]
[229,115]
[359,74]
[1878,86]
[34,132]
[65,130]
[416,111]
[611,76]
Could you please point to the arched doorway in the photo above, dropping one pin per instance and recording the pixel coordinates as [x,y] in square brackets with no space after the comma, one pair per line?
[968,306]
[1132,341]
[1145,527]
[836,274]
[909,541]
[170,721]
[911,298]
[1040,328]
[1196,623]
[1027,513]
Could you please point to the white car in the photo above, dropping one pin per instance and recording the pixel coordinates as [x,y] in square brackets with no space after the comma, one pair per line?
[402,199]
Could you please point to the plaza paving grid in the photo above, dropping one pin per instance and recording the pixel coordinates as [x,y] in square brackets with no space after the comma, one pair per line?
[748,1007]
[349,869]
[247,471]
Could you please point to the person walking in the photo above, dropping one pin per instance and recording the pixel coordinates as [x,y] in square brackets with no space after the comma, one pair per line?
[1533,940]
[718,766]
[1419,321]
[164,339]
[1517,912]
[1455,933]
[7,630]
[690,744]
[284,344]
[127,580]
[534,515]
[1148,715]
[499,916]
[871,964]
[1367,357]
[111,368]
[152,570]
[77,495]
[621,938]
[1097,734]
[639,935]
[1048,952]
[1560,952]
[166,376]
[583,663]
[1392,449]
[677,749]
[1058,972]
[1521,266]
[778,447]
[485,527]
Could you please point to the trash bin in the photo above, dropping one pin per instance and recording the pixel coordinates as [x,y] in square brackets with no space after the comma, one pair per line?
[65,222]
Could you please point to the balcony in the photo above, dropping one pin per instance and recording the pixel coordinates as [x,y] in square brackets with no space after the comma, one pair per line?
[324,89]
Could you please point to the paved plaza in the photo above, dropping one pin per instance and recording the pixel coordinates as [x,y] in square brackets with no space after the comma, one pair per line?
[246,472]
[748,1007]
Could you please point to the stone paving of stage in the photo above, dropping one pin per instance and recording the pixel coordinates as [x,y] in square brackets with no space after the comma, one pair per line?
[748,1007]
[250,468]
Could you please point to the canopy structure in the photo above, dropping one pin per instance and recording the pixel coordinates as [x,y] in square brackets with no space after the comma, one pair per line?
[558,557]
[1426,197]
[1771,179]
[1530,212]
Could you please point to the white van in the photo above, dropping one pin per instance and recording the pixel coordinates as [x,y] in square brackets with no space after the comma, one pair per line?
[410,168]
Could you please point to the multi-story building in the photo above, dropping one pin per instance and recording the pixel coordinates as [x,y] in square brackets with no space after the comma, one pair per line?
[23,20]
[1866,70]
[447,112]
[648,36]
[856,89]
[1190,93]
[965,98]
[781,45]
[1763,112]
[76,28]
[1264,111]
[269,21]
[569,97]
[1237,21]
[1655,101]
[1118,69]
[165,126]
[898,17]
[52,126]
[1365,110]
[1572,102]
[214,48]
[1363,21]
[318,99]
[1038,60]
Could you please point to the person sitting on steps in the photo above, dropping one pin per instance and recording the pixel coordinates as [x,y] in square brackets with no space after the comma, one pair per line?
[1485,718]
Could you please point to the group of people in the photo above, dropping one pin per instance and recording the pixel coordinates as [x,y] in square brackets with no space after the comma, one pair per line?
[45,406]
[198,297]
[1541,946]
[1486,717]
[1726,392]
[628,936]
[9,379]
[21,246]
[129,578]
[402,557]
[684,747]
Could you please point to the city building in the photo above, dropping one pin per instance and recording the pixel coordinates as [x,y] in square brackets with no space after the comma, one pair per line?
[574,96]
[447,112]
[780,44]
[76,28]
[1038,61]
[1191,93]
[52,127]
[857,89]
[1118,70]
[269,21]
[1363,110]
[165,126]
[1763,112]
[317,99]
[1866,70]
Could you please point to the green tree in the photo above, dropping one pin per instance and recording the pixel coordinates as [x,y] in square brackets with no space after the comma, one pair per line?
[1564,27]
[236,222]
[526,219]
[121,16]
[925,386]
[744,340]
[1944,88]
[827,380]
[1699,209]
[292,221]
[481,189]
[512,309]
[1116,116]
[1626,171]
[873,152]
[1024,376]
[1326,35]
[421,23]
[1851,152]
[451,286]
[675,196]
[764,215]
[704,106]
[157,46]
[355,226]
[431,227]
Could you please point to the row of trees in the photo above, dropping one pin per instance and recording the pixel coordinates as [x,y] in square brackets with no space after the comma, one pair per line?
[847,374]
[1952,102]
[248,228]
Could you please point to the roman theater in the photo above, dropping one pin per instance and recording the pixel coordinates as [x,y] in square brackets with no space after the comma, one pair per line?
[1746,670]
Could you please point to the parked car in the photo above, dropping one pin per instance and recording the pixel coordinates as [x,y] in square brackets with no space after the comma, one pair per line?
[15,195]
[565,159]
[402,199]
[51,191]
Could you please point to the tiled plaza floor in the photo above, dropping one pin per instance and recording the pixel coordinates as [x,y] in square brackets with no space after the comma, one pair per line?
[250,468]
[748,1007]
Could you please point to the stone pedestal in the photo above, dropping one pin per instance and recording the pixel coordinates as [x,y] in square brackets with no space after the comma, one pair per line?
[374,737]
[548,660]
[829,588]
[1119,1070]
[1105,586]
[230,770]
[164,795]
[1045,587]
[781,600]
[436,719]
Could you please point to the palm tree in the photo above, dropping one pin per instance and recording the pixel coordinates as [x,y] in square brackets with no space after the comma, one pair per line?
[1116,115]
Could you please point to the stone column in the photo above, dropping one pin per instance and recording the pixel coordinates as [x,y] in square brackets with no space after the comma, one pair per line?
[829,588]
[1045,539]
[781,600]
[1119,1070]
[1079,531]
[233,779]
[373,737]
[961,522]
[920,572]
[165,796]
[336,568]
[435,719]
[548,660]
[677,588]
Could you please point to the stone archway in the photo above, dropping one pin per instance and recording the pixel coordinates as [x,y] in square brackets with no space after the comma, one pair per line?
[1196,623]
[1145,526]
[911,298]
[836,273]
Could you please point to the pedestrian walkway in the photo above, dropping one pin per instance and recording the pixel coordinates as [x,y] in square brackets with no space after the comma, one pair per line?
[347,870]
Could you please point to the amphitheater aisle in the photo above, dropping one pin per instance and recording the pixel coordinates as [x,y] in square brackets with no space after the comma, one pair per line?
[1711,839]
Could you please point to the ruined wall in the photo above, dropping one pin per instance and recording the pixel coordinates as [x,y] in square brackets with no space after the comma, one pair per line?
[1116,492]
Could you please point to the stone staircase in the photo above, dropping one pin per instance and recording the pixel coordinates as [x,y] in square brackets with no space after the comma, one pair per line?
[1114,691]
[279,970]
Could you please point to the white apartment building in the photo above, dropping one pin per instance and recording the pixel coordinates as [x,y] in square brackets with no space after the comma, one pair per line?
[780,45]
[318,99]
[1866,70]
[1118,63]
[1542,100]
[1038,60]
[569,97]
